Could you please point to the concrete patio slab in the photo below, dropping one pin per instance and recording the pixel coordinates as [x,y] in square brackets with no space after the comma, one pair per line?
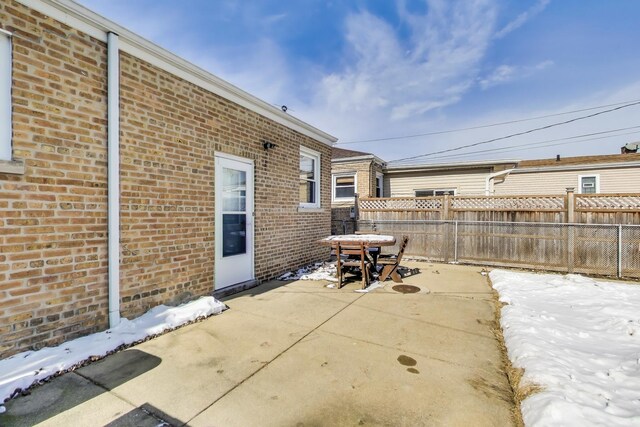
[69,400]
[201,362]
[339,381]
[299,353]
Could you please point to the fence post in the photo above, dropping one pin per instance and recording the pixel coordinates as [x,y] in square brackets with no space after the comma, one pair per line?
[447,226]
[619,251]
[571,236]
[356,211]
[455,243]
[570,205]
[445,207]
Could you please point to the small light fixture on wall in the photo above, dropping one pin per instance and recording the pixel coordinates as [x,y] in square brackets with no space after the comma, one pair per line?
[268,145]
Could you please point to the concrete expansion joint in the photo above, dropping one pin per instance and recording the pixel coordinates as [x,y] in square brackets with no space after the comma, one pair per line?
[264,365]
[105,388]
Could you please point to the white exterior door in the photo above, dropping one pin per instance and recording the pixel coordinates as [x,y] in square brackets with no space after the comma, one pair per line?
[233,220]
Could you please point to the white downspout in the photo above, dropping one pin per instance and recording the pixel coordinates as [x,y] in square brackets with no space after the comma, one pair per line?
[113,175]
[488,186]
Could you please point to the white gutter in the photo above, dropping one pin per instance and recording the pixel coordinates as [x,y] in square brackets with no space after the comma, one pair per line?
[392,168]
[113,175]
[578,167]
[488,185]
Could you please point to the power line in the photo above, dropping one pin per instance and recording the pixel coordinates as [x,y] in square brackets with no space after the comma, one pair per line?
[539,143]
[391,138]
[475,144]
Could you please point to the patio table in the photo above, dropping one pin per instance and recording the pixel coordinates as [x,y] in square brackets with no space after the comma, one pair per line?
[371,241]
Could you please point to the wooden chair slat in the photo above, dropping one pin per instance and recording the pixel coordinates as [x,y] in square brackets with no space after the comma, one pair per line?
[392,263]
[363,261]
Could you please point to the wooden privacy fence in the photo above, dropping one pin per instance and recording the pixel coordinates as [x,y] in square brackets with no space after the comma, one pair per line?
[568,208]
[603,249]
[593,234]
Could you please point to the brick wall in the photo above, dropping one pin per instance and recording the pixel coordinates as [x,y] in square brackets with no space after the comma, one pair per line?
[53,247]
[171,130]
[53,252]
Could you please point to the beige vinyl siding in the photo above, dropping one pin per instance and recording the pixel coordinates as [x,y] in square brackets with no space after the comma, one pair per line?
[620,180]
[466,183]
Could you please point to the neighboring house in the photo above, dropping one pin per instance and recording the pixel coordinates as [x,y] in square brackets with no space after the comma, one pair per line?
[131,178]
[455,179]
[618,173]
[352,172]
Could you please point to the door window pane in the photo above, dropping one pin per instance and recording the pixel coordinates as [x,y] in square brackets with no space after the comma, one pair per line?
[234,190]
[234,234]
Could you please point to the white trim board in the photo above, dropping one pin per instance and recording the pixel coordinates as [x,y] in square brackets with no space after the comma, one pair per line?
[95,25]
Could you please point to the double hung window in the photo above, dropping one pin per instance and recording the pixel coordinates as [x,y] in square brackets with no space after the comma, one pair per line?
[309,178]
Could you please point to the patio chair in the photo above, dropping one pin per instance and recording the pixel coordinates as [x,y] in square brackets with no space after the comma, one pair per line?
[391,263]
[350,257]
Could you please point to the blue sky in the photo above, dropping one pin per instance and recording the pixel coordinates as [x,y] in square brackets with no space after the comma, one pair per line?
[364,70]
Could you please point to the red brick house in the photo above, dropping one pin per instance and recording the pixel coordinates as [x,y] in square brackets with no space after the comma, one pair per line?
[130,178]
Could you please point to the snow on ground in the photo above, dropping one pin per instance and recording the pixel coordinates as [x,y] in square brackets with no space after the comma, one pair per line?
[579,339]
[317,271]
[323,271]
[22,370]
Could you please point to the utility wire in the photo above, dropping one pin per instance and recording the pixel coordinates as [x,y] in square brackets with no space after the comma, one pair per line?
[542,144]
[536,144]
[391,138]
[475,144]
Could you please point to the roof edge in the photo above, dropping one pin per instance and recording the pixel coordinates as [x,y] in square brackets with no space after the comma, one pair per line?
[97,26]
[358,158]
[592,166]
[457,165]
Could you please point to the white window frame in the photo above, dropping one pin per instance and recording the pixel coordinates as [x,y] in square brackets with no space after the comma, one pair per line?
[333,186]
[307,152]
[380,179]
[596,176]
[5,95]
[451,191]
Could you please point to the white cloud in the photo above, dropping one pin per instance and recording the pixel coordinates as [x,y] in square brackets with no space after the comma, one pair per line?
[509,73]
[391,79]
[522,18]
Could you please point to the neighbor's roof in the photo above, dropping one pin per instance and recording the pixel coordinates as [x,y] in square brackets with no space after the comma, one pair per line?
[580,160]
[79,17]
[420,167]
[341,153]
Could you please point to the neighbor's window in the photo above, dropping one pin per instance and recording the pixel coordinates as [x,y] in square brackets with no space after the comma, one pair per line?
[344,187]
[589,184]
[5,95]
[431,193]
[309,178]
[379,184]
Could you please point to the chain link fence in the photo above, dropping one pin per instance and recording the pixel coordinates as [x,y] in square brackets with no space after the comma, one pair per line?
[602,249]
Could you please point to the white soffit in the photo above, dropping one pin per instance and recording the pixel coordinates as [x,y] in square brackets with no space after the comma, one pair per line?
[89,22]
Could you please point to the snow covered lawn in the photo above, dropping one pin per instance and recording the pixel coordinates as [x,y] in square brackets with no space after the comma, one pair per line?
[24,369]
[577,338]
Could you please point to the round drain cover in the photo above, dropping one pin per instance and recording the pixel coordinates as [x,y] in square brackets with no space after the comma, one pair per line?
[406,289]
